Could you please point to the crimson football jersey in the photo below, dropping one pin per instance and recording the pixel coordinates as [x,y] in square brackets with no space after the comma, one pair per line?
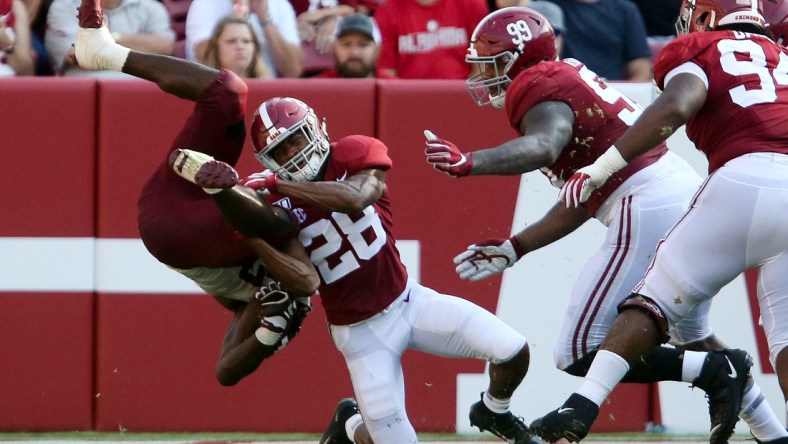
[355,254]
[602,114]
[745,73]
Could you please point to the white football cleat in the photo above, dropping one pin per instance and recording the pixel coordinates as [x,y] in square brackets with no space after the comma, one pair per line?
[203,170]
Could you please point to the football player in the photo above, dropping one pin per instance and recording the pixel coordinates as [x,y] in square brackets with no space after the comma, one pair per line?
[727,80]
[183,227]
[567,116]
[331,200]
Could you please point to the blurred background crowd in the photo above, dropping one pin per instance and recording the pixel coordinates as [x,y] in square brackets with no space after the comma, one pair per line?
[269,39]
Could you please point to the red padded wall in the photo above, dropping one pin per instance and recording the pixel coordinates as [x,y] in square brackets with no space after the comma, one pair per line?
[46,339]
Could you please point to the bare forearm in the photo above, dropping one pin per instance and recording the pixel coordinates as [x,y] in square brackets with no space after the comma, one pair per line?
[295,273]
[342,196]
[517,156]
[556,224]
[241,360]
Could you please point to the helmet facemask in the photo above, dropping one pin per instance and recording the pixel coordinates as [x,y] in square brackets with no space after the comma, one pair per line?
[489,79]
[306,164]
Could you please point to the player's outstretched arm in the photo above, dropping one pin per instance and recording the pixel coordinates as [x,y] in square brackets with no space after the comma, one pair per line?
[546,129]
[263,327]
[488,258]
[345,196]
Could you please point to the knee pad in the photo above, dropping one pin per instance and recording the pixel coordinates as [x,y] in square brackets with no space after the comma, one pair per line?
[649,307]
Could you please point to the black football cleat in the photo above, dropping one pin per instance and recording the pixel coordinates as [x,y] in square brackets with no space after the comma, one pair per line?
[571,421]
[723,377]
[503,425]
[335,433]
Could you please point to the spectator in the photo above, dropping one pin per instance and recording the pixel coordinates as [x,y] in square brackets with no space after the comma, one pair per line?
[609,37]
[36,14]
[142,25]
[234,46]
[355,49]
[317,22]
[16,54]
[427,39]
[274,24]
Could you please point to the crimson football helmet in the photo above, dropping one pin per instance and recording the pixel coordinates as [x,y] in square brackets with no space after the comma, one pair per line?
[706,15]
[276,120]
[776,14]
[503,44]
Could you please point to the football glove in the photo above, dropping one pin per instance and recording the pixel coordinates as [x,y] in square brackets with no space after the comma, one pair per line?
[579,187]
[487,258]
[444,156]
[263,182]
[277,310]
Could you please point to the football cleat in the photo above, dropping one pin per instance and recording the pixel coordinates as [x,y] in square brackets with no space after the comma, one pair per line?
[723,377]
[202,169]
[335,433]
[571,421]
[503,425]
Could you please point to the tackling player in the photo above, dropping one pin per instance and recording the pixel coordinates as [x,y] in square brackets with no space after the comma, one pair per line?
[332,200]
[567,116]
[727,80]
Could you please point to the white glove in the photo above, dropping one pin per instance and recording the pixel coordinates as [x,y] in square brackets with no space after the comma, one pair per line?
[485,259]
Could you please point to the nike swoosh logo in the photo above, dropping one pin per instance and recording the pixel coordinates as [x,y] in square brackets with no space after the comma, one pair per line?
[563,410]
[407,298]
[733,372]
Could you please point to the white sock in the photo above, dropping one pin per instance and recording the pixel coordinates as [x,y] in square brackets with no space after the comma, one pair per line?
[352,424]
[606,371]
[755,411]
[692,365]
[496,405]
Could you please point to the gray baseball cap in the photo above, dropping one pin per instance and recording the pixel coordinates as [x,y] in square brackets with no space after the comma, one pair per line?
[357,23]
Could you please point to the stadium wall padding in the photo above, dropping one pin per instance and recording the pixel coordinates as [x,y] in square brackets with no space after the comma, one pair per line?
[85,353]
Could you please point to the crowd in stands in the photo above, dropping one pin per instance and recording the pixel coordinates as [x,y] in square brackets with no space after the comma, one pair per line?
[268,39]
